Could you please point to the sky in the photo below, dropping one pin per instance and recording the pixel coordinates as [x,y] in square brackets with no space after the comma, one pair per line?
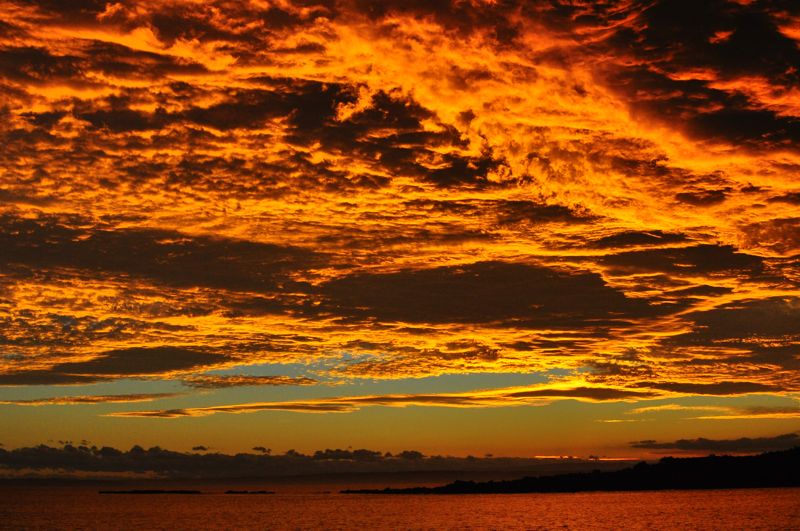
[455,226]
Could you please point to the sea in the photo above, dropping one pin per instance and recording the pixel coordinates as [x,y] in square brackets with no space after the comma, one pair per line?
[77,507]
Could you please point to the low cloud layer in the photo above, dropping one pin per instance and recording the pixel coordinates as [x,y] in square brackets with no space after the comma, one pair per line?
[741,445]
[202,463]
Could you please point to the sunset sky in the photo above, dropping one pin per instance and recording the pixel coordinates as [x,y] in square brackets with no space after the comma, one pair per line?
[454,226]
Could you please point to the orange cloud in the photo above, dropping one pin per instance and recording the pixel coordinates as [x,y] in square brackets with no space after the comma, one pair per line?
[90,399]
[606,192]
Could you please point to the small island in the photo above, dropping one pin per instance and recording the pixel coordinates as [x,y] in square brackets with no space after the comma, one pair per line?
[772,469]
[149,491]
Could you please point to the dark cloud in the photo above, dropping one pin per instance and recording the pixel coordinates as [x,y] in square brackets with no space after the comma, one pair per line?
[116,60]
[253,306]
[9,30]
[442,233]
[126,362]
[703,197]
[459,171]
[734,38]
[390,134]
[742,445]
[766,331]
[591,393]
[24,197]
[712,388]
[793,198]
[123,120]
[45,377]
[510,212]
[37,65]
[730,39]
[159,255]
[138,361]
[45,119]
[780,235]
[699,259]
[307,105]
[769,318]
[69,10]
[701,291]
[483,292]
[635,238]
[752,126]
[505,212]
[464,18]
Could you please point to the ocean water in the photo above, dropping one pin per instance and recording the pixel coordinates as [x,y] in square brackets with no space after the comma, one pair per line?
[79,508]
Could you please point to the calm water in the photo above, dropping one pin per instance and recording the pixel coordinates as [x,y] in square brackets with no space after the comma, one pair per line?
[73,508]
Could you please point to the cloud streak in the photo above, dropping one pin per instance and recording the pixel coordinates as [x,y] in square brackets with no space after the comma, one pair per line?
[490,398]
[238,380]
[90,399]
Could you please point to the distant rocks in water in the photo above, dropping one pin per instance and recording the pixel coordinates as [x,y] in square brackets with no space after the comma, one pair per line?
[150,491]
[181,491]
[773,469]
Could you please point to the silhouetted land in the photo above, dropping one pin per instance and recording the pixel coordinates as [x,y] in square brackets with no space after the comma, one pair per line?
[149,491]
[773,469]
[202,465]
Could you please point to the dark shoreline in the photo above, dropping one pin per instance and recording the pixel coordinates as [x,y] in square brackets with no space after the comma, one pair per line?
[768,470]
